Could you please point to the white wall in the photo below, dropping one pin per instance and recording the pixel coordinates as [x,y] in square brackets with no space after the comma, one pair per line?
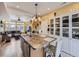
[44,26]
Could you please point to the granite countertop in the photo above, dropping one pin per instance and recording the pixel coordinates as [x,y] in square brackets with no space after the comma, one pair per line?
[35,41]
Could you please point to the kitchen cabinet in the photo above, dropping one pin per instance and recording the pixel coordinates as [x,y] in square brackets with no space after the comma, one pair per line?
[75,26]
[57,26]
[33,46]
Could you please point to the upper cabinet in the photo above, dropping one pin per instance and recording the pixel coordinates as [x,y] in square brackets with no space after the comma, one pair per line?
[75,26]
[52,26]
[57,26]
[65,26]
[75,20]
[65,21]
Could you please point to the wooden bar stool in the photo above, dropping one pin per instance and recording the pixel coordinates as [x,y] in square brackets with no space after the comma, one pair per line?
[0,40]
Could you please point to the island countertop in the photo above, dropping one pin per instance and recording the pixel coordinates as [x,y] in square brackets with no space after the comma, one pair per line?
[35,41]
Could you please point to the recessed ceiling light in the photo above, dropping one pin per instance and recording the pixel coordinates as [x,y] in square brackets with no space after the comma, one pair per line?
[48,8]
[17,6]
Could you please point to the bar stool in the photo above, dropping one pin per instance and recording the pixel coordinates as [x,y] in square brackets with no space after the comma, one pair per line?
[8,38]
[0,40]
[3,40]
[50,51]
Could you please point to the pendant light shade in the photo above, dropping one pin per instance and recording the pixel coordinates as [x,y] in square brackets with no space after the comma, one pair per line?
[1,22]
[18,19]
[36,19]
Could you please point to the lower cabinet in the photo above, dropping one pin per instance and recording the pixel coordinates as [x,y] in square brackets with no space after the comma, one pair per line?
[28,51]
[37,52]
[75,47]
[70,47]
[25,48]
[66,45]
[63,54]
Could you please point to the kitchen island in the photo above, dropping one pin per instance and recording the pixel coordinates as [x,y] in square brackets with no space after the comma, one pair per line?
[33,46]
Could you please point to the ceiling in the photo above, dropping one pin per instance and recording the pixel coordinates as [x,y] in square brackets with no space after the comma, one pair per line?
[28,8]
[3,12]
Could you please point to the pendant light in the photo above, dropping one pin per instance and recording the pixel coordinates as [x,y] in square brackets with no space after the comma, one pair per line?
[1,22]
[36,13]
[36,19]
[18,18]
[36,16]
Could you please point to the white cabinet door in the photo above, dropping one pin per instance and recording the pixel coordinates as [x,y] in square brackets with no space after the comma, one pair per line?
[63,54]
[59,47]
[75,47]
[66,45]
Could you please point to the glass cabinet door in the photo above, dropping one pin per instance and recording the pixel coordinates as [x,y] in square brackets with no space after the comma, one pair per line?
[65,26]
[51,26]
[75,26]
[57,26]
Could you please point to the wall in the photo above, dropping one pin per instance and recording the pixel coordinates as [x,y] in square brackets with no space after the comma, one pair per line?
[44,26]
[69,46]
[66,9]
[3,14]
[9,14]
[60,11]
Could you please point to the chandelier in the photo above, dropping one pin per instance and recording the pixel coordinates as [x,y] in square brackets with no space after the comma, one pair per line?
[36,18]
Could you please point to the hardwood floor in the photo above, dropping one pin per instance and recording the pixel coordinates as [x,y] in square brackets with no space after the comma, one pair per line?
[11,49]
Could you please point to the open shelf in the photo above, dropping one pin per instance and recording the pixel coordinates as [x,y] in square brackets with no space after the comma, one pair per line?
[65,27]
[75,27]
